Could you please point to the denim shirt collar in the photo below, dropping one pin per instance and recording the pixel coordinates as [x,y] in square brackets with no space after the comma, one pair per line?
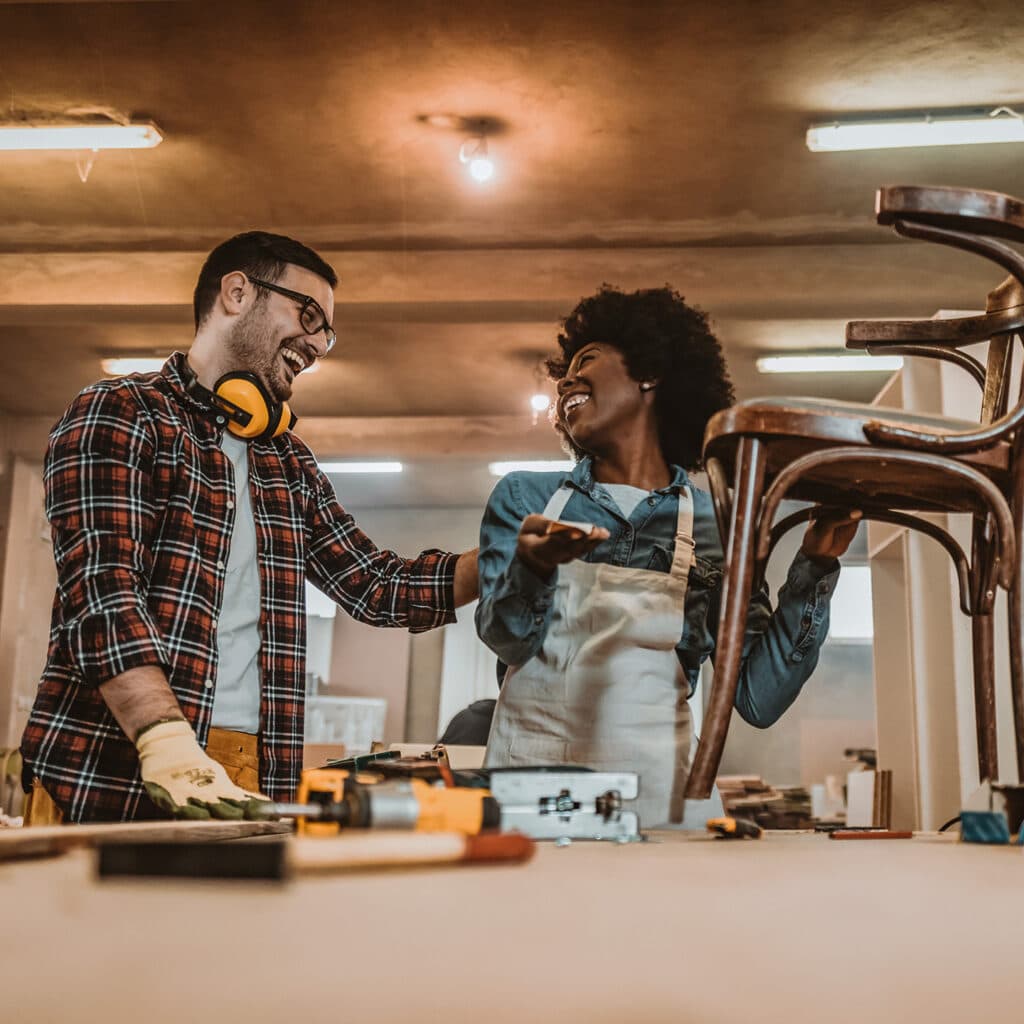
[582,478]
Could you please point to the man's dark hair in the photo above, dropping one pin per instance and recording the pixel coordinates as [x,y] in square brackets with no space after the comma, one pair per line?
[661,338]
[256,254]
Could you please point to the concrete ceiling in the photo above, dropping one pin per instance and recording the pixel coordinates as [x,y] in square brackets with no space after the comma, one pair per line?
[638,144]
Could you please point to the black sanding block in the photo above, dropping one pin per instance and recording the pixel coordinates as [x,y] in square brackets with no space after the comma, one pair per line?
[232,859]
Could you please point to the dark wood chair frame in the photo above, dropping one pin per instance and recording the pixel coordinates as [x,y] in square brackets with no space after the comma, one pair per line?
[904,465]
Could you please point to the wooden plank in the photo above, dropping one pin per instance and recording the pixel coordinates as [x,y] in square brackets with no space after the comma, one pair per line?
[50,840]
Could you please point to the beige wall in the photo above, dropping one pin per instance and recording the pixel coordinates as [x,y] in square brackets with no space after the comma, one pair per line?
[26,593]
[403,669]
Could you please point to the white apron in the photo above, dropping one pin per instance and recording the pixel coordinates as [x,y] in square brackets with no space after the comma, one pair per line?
[606,690]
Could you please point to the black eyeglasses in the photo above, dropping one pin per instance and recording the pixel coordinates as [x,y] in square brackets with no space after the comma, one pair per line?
[311,315]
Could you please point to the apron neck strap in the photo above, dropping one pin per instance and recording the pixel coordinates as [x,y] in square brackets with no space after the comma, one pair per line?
[682,555]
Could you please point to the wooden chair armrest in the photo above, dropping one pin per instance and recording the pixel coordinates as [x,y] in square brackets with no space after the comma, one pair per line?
[952,333]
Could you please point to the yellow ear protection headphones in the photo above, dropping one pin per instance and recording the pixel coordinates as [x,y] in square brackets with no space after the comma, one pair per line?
[250,410]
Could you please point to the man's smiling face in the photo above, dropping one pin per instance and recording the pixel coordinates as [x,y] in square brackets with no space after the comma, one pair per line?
[269,340]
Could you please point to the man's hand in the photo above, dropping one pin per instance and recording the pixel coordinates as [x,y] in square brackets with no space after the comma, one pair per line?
[543,544]
[182,779]
[830,533]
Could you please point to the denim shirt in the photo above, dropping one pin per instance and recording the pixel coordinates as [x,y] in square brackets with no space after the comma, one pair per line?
[780,647]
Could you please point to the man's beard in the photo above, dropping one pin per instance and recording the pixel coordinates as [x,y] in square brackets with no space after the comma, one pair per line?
[252,347]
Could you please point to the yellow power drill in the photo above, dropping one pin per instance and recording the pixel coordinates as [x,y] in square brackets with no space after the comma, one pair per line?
[332,799]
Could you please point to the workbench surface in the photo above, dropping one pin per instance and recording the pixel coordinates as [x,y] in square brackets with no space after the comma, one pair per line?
[794,927]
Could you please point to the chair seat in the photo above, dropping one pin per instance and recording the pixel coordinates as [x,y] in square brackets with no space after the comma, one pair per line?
[793,427]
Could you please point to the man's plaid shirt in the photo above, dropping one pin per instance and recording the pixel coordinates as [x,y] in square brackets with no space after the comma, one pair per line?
[140,498]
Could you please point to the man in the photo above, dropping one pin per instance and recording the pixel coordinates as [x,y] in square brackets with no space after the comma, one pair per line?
[185,518]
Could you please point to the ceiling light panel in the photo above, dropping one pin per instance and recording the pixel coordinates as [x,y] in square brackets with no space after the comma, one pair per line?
[332,468]
[903,132]
[532,466]
[143,135]
[829,364]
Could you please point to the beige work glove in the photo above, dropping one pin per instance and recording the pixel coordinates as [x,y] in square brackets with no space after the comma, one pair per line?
[182,779]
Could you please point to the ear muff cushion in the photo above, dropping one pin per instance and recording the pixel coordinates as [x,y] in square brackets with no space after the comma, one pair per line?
[284,422]
[249,396]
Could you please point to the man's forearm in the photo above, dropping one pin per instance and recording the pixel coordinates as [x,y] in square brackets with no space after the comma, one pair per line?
[467,580]
[140,697]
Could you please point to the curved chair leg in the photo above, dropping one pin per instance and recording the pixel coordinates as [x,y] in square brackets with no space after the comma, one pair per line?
[736,585]
[983,646]
[993,556]
[911,522]
[1016,608]
[983,656]
[960,474]
[720,498]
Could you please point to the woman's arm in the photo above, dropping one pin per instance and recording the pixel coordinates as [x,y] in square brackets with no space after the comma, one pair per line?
[781,647]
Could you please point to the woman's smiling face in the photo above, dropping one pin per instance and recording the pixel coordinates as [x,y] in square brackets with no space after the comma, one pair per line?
[597,398]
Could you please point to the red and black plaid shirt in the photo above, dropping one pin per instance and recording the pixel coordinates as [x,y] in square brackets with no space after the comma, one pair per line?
[140,498]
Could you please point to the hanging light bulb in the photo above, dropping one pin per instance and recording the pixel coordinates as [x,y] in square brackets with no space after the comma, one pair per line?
[540,400]
[473,153]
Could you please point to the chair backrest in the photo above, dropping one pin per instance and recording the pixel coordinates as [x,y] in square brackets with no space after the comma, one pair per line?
[965,219]
[995,396]
[979,212]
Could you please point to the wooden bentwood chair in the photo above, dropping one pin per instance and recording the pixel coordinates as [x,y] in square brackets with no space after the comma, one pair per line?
[890,464]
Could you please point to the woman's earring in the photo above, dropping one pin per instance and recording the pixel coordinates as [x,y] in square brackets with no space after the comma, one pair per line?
[647,386]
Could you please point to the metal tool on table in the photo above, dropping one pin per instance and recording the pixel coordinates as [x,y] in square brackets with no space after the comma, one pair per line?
[432,765]
[734,828]
[567,803]
[542,803]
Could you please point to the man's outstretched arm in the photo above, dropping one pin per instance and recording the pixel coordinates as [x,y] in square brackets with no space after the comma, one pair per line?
[467,579]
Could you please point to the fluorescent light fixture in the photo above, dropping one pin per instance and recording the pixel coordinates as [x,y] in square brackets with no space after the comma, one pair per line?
[361,467]
[828,364]
[134,364]
[141,135]
[535,466]
[903,131]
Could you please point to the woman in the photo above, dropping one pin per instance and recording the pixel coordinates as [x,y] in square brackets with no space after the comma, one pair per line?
[604,624]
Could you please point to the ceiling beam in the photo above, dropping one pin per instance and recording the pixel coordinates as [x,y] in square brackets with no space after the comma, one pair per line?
[887,279]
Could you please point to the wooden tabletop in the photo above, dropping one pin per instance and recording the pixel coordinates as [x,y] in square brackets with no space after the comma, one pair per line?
[794,927]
